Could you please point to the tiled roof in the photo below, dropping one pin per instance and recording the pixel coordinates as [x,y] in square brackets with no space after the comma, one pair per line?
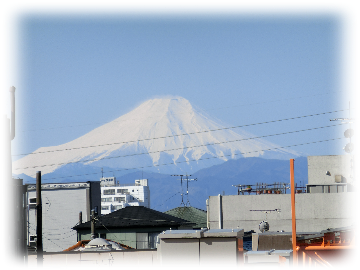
[82,243]
[135,216]
[191,214]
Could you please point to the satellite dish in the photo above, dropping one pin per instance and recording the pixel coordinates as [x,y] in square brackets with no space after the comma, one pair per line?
[349,133]
[264,226]
[349,147]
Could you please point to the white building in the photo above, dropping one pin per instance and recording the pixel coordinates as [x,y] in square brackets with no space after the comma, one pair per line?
[115,196]
[61,205]
[326,204]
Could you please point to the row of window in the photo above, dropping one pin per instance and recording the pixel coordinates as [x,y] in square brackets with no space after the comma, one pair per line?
[119,190]
[119,199]
[113,207]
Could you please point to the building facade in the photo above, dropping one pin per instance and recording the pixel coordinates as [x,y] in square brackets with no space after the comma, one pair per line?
[61,205]
[327,203]
[330,174]
[115,196]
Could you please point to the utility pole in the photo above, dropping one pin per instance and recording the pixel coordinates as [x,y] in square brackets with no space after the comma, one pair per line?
[93,224]
[39,244]
[293,216]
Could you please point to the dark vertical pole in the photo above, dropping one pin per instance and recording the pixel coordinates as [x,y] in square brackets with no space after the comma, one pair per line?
[293,216]
[93,224]
[80,217]
[12,99]
[39,244]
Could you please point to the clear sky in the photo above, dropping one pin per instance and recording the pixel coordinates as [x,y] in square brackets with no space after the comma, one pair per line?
[76,73]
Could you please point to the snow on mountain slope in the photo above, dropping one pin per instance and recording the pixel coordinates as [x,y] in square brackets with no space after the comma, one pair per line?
[159,132]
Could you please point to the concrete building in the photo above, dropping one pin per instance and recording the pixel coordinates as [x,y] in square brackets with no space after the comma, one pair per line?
[330,174]
[61,204]
[315,211]
[201,247]
[115,196]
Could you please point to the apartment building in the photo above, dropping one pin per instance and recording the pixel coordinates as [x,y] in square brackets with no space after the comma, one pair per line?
[115,196]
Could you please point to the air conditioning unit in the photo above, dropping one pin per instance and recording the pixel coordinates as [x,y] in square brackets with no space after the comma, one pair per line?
[338,178]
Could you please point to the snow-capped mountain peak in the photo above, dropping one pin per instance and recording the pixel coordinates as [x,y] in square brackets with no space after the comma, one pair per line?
[162,134]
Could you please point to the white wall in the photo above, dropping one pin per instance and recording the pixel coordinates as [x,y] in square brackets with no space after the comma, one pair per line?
[314,212]
[60,209]
[336,165]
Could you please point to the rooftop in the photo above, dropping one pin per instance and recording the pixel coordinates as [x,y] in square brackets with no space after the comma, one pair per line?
[192,214]
[135,216]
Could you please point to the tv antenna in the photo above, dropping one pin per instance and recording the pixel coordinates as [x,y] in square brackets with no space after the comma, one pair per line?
[349,147]
[349,132]
[187,187]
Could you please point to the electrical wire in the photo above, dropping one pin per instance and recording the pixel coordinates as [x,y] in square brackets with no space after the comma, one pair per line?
[178,135]
[167,199]
[175,149]
[230,155]
[220,108]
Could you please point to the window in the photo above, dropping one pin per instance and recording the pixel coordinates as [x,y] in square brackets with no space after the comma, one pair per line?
[32,200]
[119,199]
[142,241]
[109,199]
[105,208]
[109,191]
[153,240]
[123,191]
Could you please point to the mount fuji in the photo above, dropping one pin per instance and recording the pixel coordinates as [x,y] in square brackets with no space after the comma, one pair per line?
[164,135]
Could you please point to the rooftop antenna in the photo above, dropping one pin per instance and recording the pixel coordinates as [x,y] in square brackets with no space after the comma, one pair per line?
[182,199]
[187,188]
[349,147]
[102,175]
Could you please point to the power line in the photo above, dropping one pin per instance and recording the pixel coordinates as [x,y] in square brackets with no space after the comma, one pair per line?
[175,149]
[220,108]
[230,155]
[178,135]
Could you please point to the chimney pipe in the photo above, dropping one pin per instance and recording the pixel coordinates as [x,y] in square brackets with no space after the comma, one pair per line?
[80,217]
[12,100]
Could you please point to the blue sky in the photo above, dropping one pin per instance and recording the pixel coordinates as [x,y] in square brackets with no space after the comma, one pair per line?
[78,72]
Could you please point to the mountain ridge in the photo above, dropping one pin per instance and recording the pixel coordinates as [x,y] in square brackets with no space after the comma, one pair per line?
[165,189]
[159,131]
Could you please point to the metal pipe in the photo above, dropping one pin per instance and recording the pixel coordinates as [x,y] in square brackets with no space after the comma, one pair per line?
[308,248]
[12,99]
[293,216]
[39,244]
